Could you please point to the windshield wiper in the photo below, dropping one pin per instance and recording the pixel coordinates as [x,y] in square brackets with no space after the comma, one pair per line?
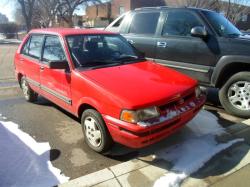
[233,34]
[127,58]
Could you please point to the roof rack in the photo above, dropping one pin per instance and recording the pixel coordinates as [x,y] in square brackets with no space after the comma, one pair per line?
[160,7]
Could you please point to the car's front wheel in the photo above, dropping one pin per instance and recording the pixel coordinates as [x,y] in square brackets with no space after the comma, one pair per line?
[96,134]
[28,93]
[235,95]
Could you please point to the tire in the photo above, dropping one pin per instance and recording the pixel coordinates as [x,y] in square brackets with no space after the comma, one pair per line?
[28,93]
[235,95]
[95,132]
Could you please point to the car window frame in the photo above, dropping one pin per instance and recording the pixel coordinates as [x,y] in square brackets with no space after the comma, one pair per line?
[29,40]
[42,52]
[164,19]
[132,17]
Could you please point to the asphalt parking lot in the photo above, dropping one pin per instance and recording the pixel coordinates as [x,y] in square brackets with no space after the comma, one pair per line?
[46,122]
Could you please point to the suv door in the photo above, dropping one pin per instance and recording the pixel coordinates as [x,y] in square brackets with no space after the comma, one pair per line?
[30,60]
[178,49]
[141,32]
[55,83]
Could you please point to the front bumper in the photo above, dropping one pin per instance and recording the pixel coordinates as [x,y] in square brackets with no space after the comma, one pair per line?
[143,134]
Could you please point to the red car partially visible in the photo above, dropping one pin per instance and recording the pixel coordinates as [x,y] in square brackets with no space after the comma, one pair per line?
[100,78]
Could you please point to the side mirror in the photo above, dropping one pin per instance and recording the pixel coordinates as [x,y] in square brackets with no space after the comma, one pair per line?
[58,64]
[199,32]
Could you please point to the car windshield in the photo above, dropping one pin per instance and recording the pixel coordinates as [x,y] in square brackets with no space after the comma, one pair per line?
[97,51]
[222,26]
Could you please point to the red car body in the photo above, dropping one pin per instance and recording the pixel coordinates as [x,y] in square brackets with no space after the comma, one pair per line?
[110,90]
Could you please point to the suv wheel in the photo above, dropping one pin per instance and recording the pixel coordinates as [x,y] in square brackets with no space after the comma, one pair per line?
[95,132]
[235,95]
[28,93]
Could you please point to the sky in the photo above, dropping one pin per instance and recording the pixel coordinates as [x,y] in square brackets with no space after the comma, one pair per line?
[7,7]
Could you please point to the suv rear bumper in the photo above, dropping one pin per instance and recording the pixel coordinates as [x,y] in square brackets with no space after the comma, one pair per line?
[136,136]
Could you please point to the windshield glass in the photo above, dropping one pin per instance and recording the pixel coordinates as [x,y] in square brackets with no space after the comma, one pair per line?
[222,26]
[96,51]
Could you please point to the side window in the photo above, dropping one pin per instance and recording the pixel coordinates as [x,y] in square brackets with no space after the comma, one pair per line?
[144,23]
[35,46]
[53,49]
[180,23]
[25,49]
[118,22]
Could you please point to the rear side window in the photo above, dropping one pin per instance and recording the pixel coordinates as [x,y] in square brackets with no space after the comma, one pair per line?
[180,23]
[35,46]
[144,23]
[53,49]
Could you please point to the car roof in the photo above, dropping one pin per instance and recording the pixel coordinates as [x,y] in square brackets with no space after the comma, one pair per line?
[169,7]
[68,31]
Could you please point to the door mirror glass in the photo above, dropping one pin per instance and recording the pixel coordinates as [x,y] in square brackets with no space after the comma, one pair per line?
[58,64]
[199,32]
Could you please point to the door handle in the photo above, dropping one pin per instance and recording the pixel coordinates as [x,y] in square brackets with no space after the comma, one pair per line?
[162,44]
[41,68]
[131,41]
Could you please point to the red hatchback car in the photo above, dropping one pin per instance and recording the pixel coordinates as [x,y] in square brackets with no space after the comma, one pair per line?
[102,79]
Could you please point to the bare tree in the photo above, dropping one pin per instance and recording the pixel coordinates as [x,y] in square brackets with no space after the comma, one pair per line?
[66,8]
[27,7]
[236,9]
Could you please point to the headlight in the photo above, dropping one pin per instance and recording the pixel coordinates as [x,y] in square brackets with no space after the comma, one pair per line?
[198,91]
[132,116]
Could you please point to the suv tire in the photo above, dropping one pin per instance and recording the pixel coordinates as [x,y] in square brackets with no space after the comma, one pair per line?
[96,134]
[28,93]
[235,95]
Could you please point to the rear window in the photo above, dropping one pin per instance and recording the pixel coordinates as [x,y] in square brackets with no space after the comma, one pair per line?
[144,23]
[33,46]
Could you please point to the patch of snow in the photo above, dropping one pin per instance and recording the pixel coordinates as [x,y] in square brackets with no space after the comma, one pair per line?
[23,161]
[198,147]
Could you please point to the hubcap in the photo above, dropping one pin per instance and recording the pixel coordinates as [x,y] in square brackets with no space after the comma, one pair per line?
[92,132]
[239,95]
[25,89]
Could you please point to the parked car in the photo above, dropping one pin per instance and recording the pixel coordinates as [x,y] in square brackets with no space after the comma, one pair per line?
[100,78]
[200,43]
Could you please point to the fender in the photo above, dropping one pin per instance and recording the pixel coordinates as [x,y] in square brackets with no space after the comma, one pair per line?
[89,101]
[224,62]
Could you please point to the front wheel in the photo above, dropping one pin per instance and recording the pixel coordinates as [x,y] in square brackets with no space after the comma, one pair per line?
[235,95]
[96,134]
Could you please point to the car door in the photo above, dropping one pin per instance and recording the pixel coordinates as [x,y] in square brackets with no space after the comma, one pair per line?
[30,60]
[176,47]
[55,83]
[141,31]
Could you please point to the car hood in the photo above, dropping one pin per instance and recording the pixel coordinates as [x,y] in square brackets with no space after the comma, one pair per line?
[141,84]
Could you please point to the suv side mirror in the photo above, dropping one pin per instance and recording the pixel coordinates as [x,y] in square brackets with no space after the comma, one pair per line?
[58,64]
[199,31]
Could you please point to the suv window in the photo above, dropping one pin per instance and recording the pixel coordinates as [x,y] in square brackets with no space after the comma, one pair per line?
[180,23]
[35,46]
[53,49]
[144,23]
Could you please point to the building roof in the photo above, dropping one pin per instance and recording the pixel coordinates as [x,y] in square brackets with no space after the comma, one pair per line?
[69,31]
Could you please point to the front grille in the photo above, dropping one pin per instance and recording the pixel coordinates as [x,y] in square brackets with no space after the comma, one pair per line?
[177,102]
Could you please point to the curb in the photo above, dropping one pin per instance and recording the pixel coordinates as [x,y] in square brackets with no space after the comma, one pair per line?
[143,171]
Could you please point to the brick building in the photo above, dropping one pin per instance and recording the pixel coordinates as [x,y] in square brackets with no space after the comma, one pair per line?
[101,15]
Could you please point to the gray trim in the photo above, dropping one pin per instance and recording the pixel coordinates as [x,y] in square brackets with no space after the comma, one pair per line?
[50,91]
[182,65]
[37,84]
[56,94]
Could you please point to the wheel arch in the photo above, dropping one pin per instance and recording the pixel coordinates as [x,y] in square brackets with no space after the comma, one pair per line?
[227,67]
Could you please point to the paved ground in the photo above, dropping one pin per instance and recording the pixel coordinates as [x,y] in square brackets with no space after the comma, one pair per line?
[47,122]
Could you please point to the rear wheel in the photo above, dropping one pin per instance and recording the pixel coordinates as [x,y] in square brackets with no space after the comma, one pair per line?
[235,95]
[95,132]
[28,93]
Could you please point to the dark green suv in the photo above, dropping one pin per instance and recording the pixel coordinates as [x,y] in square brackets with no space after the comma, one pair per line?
[197,42]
